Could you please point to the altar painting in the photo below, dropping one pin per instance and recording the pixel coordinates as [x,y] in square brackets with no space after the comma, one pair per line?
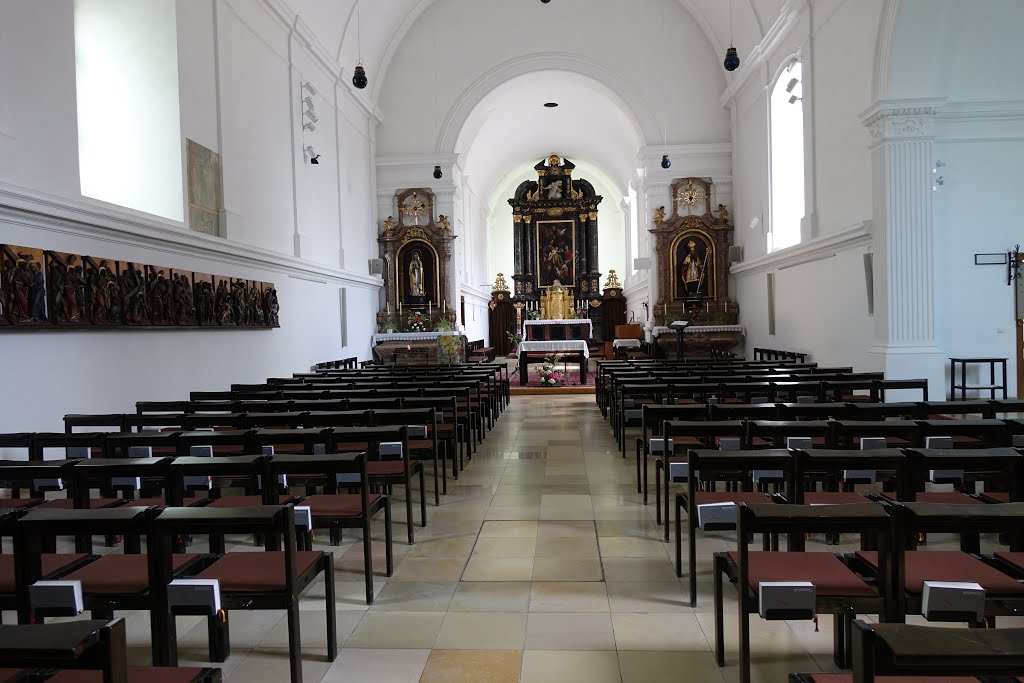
[693,266]
[416,266]
[556,252]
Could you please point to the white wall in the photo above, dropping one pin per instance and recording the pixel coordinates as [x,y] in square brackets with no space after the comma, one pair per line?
[821,306]
[240,66]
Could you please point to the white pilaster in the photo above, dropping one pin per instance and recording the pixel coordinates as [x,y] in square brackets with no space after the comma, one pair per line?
[902,140]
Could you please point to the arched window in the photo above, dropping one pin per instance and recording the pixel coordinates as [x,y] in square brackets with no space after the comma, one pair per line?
[787,158]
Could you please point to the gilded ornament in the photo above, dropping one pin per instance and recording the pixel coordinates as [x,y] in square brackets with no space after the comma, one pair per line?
[414,207]
[613,280]
[556,211]
[517,218]
[593,215]
[659,215]
[583,218]
[444,222]
[584,286]
[527,218]
[723,213]
[595,303]
[389,223]
[499,284]
[553,160]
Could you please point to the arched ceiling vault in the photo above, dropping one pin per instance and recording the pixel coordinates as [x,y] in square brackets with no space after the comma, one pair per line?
[383,24]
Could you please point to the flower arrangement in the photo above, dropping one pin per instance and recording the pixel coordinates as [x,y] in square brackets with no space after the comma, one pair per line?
[514,338]
[549,374]
[415,323]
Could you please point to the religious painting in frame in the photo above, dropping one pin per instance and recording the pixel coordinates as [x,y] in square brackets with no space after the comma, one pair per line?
[204,194]
[23,285]
[556,252]
[416,265]
[693,266]
[65,279]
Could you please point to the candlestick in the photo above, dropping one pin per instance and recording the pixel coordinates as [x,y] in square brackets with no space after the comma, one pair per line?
[707,307]
[665,312]
[430,307]
[444,305]
[399,307]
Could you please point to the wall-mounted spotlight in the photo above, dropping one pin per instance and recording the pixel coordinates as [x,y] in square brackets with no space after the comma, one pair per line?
[793,99]
[311,115]
[437,173]
[309,125]
[665,161]
[792,84]
[314,158]
[939,181]
[309,88]
[309,102]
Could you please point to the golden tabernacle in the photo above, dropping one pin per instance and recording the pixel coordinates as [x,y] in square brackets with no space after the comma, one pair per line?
[557,302]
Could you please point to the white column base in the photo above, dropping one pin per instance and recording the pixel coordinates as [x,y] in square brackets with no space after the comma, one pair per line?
[914,362]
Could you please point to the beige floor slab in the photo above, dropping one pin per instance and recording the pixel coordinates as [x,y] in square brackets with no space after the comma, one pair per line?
[379,666]
[648,596]
[491,596]
[638,569]
[482,631]
[541,666]
[583,545]
[525,546]
[670,667]
[271,665]
[415,596]
[313,629]
[499,569]
[625,546]
[429,569]
[442,547]
[569,631]
[567,569]
[674,632]
[479,666]
[415,630]
[562,529]
[568,596]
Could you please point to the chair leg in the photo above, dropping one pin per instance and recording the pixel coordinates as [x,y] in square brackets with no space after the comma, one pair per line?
[437,490]
[719,614]
[744,634]
[368,561]
[423,496]
[332,615]
[657,490]
[218,631]
[410,524]
[389,558]
[294,644]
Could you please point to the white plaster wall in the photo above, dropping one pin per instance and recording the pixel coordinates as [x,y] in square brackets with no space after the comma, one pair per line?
[261,66]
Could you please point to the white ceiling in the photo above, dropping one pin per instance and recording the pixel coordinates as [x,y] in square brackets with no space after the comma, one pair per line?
[589,124]
[384,23]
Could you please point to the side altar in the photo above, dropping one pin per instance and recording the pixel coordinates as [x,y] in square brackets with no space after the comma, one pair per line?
[692,254]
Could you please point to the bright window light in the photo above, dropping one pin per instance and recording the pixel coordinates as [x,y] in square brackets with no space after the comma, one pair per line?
[129,132]
[787,155]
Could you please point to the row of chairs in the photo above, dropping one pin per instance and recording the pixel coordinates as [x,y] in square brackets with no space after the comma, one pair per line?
[889,580]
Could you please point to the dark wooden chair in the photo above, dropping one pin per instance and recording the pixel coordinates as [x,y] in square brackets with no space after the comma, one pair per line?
[275,582]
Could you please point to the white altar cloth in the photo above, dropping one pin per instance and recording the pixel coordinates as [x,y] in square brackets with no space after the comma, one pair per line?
[410,336]
[564,346]
[696,329]
[571,321]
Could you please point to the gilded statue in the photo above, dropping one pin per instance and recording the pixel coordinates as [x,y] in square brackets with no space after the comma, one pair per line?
[659,215]
[389,223]
[557,302]
[723,213]
[416,287]
[444,222]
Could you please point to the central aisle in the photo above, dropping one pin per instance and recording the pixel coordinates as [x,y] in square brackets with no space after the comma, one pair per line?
[541,565]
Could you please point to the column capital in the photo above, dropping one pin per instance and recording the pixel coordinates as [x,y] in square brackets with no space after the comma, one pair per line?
[901,119]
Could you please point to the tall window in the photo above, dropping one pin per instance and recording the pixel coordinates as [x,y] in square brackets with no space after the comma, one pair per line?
[787,156]
[129,133]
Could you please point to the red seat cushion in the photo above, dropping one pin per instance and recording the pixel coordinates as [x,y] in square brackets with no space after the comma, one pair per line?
[256,572]
[69,504]
[1016,559]
[950,565]
[352,447]
[51,565]
[421,445]
[944,497]
[833,498]
[245,501]
[337,504]
[159,501]
[12,503]
[385,467]
[119,574]
[1000,496]
[136,674]
[848,678]
[831,578]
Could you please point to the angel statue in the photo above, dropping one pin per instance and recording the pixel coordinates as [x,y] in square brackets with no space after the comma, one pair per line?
[659,215]
[389,223]
[445,222]
[554,189]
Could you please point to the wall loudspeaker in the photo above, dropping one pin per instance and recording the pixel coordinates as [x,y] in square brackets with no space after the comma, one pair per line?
[735,253]
[869,281]
[376,266]
[771,304]
[643,263]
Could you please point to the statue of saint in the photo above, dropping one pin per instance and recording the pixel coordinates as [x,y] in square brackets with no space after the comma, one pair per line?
[416,287]
[554,189]
[693,270]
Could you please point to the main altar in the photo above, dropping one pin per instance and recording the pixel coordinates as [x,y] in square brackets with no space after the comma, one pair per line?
[556,293]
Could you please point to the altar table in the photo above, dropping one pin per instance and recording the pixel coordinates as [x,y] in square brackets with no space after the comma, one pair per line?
[573,350]
[552,330]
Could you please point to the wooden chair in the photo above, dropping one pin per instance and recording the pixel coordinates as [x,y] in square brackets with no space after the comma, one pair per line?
[275,582]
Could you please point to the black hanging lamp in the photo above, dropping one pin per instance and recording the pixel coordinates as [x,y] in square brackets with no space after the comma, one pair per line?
[665,162]
[732,58]
[359,75]
[437,172]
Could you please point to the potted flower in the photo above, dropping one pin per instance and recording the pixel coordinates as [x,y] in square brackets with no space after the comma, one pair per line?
[443,325]
[415,323]
[514,340]
[388,326]
[549,374]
